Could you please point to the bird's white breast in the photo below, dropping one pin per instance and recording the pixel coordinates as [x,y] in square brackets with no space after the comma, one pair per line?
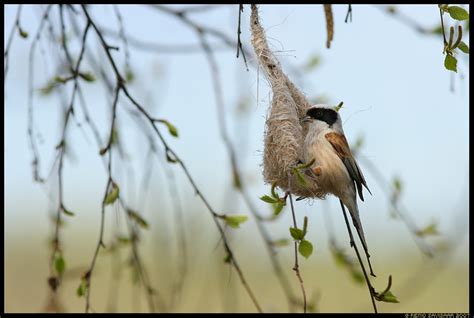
[334,177]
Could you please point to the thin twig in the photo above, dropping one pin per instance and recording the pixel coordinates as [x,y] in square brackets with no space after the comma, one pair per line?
[16,26]
[237,177]
[31,59]
[296,266]
[349,13]
[239,43]
[169,151]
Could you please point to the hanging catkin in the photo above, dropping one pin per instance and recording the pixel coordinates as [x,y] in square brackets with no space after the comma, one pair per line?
[284,134]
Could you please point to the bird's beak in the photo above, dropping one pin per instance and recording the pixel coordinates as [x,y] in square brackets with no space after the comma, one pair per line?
[306,119]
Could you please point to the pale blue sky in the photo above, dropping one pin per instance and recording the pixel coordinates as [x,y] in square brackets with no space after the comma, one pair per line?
[391,79]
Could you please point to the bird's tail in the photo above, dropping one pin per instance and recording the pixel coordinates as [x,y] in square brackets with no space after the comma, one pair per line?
[354,210]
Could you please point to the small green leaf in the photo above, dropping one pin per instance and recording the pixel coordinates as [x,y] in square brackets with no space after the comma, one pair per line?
[67,212]
[235,220]
[437,30]
[281,242]
[458,13]
[81,290]
[277,208]
[227,259]
[88,77]
[357,276]
[172,129]
[123,240]
[305,225]
[296,233]
[236,180]
[463,47]
[431,229]
[313,62]
[268,199]
[450,63]
[23,33]
[60,80]
[59,264]
[129,76]
[305,248]
[387,297]
[137,218]
[339,106]
[113,195]
[397,184]
[358,144]
[274,193]
[115,137]
[443,7]
[339,257]
[301,178]
[48,88]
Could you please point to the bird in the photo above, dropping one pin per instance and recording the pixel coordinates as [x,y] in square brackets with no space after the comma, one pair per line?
[334,167]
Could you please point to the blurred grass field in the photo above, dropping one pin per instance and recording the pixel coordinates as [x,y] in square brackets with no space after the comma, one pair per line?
[421,284]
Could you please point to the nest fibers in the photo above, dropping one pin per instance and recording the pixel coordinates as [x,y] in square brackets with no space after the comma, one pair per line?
[284,134]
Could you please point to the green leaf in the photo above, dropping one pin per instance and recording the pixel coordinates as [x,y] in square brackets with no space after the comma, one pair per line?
[23,33]
[397,184]
[277,208]
[458,13]
[236,180]
[450,63]
[138,219]
[339,106]
[296,233]
[305,248]
[357,276]
[67,212]
[48,88]
[171,129]
[88,77]
[81,290]
[387,297]
[437,30]
[339,257]
[129,76]
[281,242]
[313,62]
[305,225]
[113,195]
[59,264]
[358,144]
[301,178]
[431,229]
[227,259]
[234,220]
[268,199]
[463,47]
[123,240]
[274,193]
[60,80]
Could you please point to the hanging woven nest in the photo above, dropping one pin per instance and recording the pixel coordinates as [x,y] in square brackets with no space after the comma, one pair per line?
[284,134]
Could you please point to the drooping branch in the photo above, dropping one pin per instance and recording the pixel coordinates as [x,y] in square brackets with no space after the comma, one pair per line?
[170,152]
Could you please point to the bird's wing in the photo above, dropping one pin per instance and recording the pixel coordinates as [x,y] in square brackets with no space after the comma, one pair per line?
[340,145]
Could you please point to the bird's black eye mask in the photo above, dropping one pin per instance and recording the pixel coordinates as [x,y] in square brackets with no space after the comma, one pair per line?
[324,114]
